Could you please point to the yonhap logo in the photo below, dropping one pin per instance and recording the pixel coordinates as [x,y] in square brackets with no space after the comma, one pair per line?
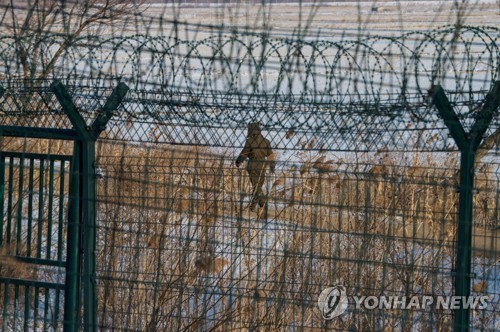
[333,302]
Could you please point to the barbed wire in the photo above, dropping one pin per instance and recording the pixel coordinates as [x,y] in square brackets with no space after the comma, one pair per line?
[464,59]
[368,86]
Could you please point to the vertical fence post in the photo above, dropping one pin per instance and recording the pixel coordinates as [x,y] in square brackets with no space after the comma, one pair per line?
[89,224]
[464,237]
[72,284]
[86,212]
[85,147]
[468,145]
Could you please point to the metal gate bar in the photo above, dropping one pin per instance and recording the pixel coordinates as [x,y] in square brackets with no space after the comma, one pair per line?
[27,299]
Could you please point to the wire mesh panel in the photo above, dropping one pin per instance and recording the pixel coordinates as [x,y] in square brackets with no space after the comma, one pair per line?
[34,192]
[364,195]
[181,249]
[485,269]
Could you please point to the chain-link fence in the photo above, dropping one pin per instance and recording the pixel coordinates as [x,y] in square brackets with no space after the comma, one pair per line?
[365,199]
[360,186]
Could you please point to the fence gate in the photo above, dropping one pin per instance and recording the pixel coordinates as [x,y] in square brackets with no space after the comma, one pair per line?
[47,230]
[35,189]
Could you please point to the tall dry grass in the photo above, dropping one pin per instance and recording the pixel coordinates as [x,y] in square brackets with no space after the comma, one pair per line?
[178,248]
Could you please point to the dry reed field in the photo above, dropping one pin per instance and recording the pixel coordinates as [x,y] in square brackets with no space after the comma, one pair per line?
[178,235]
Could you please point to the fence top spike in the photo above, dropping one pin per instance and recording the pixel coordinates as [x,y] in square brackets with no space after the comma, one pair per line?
[449,116]
[67,104]
[485,115]
[111,105]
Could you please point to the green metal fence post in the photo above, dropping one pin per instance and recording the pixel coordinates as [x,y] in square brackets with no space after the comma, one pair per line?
[464,238]
[87,199]
[468,145]
[89,224]
[72,285]
[88,135]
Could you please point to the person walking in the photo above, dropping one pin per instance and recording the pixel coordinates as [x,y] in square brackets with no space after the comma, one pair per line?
[258,150]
